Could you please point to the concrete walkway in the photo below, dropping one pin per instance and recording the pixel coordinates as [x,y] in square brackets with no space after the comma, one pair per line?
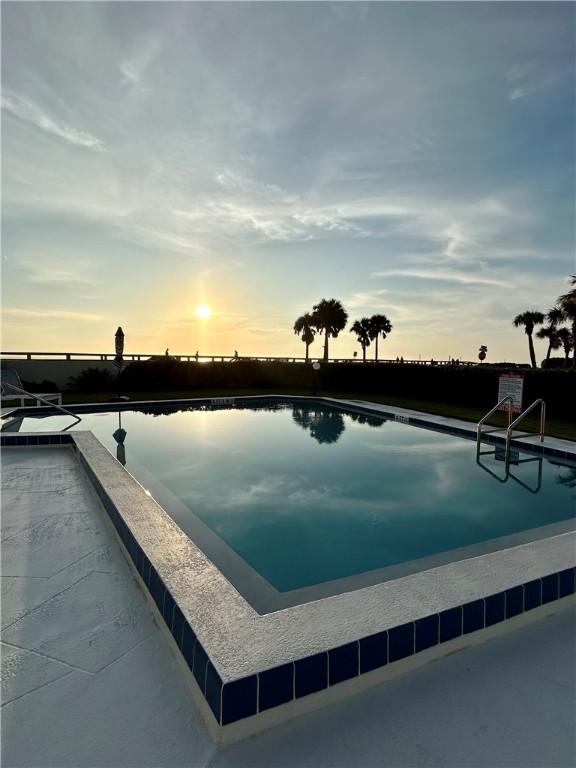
[88,679]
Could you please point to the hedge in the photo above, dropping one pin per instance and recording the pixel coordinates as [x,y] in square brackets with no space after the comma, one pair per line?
[475,386]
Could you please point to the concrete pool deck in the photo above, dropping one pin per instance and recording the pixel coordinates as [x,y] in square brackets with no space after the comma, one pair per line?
[89,678]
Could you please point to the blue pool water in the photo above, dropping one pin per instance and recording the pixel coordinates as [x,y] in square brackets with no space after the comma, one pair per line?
[306,494]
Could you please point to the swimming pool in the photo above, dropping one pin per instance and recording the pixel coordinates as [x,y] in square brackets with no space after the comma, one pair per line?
[349,507]
[295,501]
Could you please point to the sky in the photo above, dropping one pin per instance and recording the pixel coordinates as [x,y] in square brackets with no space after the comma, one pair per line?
[410,159]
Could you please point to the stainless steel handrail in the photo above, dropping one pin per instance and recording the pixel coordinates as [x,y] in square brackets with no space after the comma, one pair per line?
[508,399]
[530,408]
[47,402]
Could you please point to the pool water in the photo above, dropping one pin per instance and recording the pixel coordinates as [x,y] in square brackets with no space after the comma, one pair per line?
[307,494]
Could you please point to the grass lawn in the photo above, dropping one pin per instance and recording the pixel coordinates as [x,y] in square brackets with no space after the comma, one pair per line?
[554,427]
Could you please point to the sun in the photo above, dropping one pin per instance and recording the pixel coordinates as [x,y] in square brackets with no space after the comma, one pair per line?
[203,312]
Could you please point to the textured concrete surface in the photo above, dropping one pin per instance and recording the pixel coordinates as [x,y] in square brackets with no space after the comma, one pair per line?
[88,678]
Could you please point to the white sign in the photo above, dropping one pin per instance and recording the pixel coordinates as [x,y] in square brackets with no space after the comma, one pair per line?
[510,385]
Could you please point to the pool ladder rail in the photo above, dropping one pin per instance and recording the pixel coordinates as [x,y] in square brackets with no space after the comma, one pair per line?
[50,403]
[511,424]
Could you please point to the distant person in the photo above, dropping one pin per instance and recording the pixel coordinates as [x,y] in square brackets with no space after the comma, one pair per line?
[355,354]
[196,356]
[167,353]
[235,354]
[401,359]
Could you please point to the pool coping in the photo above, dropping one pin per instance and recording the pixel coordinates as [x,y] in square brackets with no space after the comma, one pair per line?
[245,663]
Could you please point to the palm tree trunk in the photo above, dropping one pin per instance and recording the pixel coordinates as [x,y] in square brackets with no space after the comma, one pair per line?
[363,353]
[532,353]
[325,345]
[549,350]
[574,344]
[307,347]
[376,352]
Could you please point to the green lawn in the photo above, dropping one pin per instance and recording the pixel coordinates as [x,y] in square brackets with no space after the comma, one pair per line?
[554,427]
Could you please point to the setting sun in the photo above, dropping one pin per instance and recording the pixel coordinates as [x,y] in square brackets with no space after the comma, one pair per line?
[203,312]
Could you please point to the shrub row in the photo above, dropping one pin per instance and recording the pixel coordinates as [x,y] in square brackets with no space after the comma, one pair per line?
[468,386]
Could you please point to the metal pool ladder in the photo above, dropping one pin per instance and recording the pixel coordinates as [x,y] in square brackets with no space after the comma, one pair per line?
[510,402]
[47,402]
[517,421]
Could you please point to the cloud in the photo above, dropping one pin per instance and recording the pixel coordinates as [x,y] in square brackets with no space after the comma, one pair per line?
[56,277]
[28,112]
[50,314]
[525,79]
[447,275]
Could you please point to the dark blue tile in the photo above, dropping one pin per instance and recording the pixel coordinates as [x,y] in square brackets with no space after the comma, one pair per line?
[311,674]
[168,609]
[213,690]
[239,699]
[43,440]
[157,589]
[143,566]
[473,616]
[427,631]
[138,558]
[33,440]
[495,609]
[450,624]
[9,440]
[177,624]
[514,601]
[550,588]
[400,642]
[342,663]
[147,575]
[373,652]
[532,594]
[200,661]
[187,644]
[567,579]
[276,686]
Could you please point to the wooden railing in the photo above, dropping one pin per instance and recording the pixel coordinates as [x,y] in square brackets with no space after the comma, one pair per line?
[109,356]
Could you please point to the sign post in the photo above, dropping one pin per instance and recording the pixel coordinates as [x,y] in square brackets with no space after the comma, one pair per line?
[511,385]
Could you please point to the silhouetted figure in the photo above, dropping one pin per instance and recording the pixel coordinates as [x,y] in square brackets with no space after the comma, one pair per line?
[196,356]
[167,353]
[235,354]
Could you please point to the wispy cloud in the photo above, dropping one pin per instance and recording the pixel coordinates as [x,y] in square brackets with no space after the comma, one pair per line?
[446,275]
[525,79]
[30,113]
[50,314]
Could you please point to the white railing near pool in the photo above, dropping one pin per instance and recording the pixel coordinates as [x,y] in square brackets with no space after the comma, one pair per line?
[517,421]
[508,399]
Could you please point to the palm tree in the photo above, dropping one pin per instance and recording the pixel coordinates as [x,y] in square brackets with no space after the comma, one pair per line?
[565,338]
[529,320]
[304,327]
[329,317]
[550,332]
[567,305]
[379,326]
[362,330]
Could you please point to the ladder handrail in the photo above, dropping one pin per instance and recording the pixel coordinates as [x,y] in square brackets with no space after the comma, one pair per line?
[510,400]
[47,402]
[528,410]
